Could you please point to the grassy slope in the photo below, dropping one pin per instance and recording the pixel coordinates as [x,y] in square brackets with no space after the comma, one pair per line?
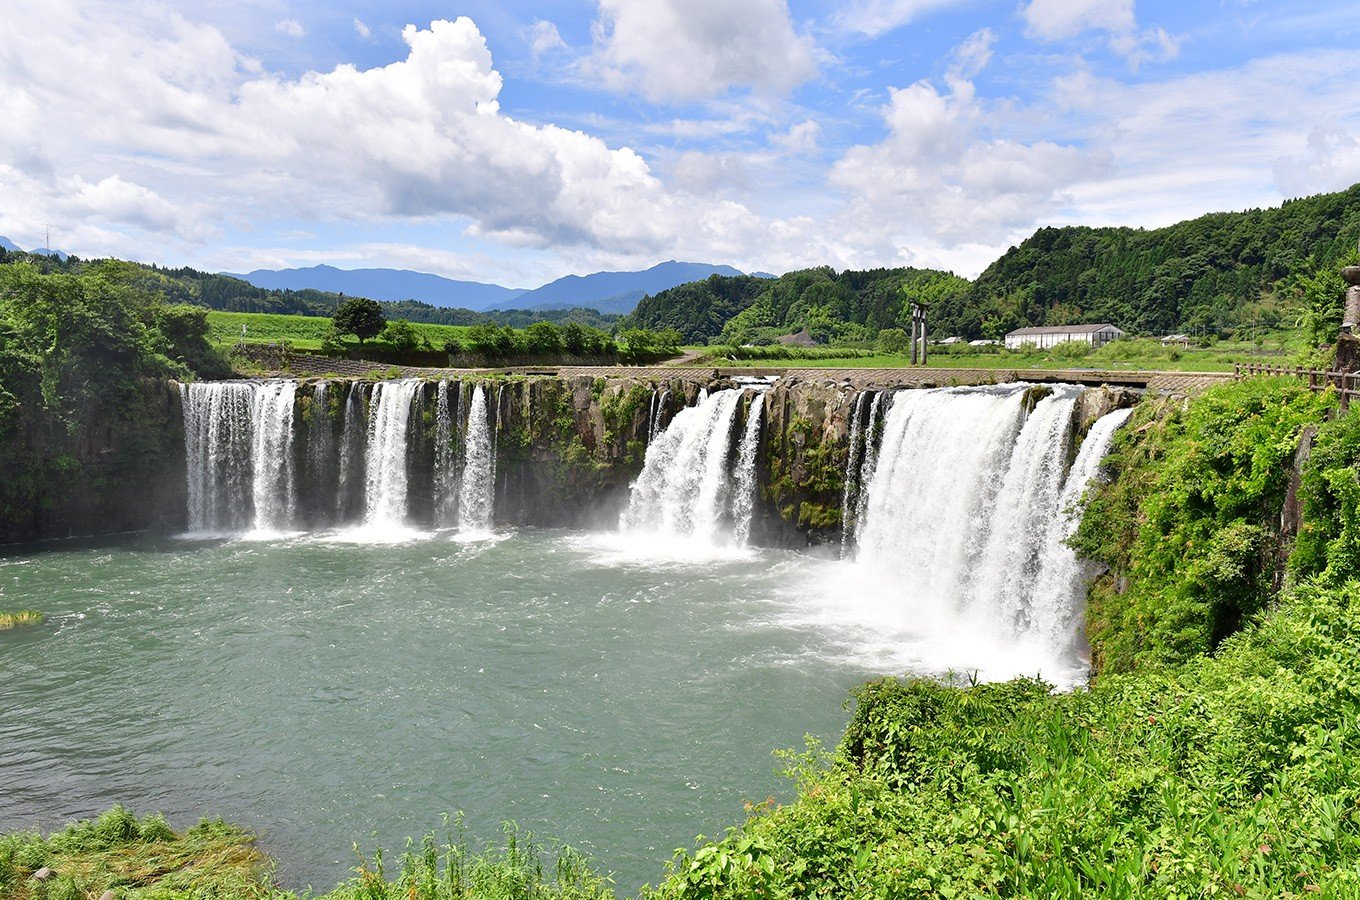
[302,332]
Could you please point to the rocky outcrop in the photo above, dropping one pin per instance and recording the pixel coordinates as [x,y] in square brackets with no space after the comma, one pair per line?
[802,461]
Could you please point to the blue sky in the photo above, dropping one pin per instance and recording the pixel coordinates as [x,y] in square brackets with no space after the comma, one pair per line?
[516,142]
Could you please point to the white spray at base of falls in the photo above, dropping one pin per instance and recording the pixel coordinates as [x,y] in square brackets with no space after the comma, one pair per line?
[475,498]
[389,418]
[959,546]
[744,500]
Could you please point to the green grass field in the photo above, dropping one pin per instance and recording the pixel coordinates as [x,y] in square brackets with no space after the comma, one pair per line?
[1127,355]
[301,332]
[306,332]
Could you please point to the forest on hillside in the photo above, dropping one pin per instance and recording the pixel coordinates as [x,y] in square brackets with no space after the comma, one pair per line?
[223,292]
[1236,273]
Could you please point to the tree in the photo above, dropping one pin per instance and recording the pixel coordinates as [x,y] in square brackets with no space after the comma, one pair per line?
[360,317]
[893,340]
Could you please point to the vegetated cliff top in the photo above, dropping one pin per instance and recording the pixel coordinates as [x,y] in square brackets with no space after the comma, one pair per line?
[1219,272]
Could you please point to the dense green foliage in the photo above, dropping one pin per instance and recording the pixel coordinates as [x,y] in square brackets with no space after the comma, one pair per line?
[69,342]
[1240,273]
[846,306]
[1189,526]
[140,859]
[1220,272]
[1328,543]
[144,859]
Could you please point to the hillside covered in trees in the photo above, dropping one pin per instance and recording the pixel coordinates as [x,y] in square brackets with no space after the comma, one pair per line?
[1223,272]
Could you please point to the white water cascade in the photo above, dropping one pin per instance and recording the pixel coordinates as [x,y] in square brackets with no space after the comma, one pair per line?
[686,485]
[272,456]
[963,511]
[744,500]
[479,473]
[389,418]
[446,417]
[1054,619]
[238,455]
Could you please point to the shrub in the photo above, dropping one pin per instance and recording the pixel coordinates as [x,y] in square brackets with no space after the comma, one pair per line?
[893,340]
[401,336]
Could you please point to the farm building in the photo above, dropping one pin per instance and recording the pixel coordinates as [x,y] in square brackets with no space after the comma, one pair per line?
[1051,335]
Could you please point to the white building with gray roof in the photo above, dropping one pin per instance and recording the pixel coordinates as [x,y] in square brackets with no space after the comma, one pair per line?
[1048,336]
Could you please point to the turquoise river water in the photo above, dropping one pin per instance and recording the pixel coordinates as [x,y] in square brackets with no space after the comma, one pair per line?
[327,692]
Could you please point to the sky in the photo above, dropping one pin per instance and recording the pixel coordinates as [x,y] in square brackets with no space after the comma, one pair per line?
[515,142]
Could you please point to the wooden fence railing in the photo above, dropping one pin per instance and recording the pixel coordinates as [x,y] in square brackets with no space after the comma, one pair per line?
[1347,384]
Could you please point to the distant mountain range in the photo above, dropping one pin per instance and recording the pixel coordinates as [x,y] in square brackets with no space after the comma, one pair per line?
[7,244]
[607,292]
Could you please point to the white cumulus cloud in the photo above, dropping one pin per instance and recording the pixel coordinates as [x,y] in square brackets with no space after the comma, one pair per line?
[290,28]
[875,17]
[1057,20]
[543,37]
[695,49]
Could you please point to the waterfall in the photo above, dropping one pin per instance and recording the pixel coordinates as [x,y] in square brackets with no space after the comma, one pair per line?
[965,506]
[685,484]
[272,455]
[475,498]
[1055,620]
[743,502]
[353,434]
[868,465]
[389,418]
[239,455]
[218,447]
[1002,588]
[657,412]
[445,458]
[850,496]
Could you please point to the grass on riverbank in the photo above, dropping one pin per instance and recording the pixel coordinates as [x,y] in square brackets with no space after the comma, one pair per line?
[144,859]
[22,617]
[138,859]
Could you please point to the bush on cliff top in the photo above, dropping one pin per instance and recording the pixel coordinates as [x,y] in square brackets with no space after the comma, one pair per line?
[1189,525]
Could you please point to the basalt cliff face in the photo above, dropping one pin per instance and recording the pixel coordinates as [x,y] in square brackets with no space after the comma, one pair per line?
[109,468]
[560,450]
